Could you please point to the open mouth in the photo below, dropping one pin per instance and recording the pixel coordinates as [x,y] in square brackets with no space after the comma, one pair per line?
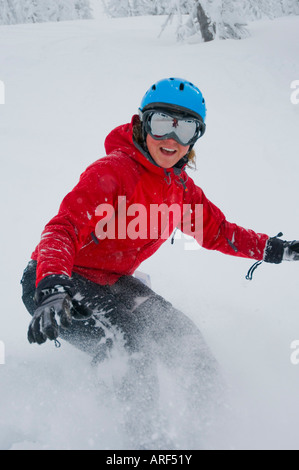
[168,152]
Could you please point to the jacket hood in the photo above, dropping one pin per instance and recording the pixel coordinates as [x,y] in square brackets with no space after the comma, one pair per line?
[121,138]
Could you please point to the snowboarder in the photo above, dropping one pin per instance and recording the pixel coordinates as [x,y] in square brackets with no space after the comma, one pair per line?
[80,283]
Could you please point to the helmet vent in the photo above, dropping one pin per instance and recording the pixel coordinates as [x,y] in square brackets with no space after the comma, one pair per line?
[153,87]
[182,86]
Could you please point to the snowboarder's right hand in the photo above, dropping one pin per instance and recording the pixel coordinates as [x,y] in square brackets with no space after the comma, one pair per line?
[55,308]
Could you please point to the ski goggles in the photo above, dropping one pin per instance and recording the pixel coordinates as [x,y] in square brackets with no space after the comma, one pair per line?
[161,125]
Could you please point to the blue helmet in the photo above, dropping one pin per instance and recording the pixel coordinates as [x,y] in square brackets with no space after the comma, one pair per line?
[175,94]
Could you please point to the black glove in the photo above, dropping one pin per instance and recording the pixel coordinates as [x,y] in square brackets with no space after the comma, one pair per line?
[279,250]
[55,307]
[291,251]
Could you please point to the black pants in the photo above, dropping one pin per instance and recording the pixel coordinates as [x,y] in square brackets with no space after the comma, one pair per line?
[149,327]
[129,307]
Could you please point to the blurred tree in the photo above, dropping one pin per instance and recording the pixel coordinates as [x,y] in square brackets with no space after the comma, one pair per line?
[33,11]
[205,19]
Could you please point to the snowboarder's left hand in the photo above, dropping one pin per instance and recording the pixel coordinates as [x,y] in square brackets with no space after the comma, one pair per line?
[291,251]
[278,250]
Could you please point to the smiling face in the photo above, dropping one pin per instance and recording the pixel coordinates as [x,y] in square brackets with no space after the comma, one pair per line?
[166,153]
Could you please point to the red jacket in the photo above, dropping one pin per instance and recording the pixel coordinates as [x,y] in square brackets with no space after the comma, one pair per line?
[70,241]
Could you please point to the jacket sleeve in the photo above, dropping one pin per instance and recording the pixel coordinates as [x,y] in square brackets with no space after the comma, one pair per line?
[213,232]
[74,224]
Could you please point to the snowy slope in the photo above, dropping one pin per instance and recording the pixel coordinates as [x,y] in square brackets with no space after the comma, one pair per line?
[67,85]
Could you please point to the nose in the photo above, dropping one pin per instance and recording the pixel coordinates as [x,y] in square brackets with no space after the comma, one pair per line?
[170,142]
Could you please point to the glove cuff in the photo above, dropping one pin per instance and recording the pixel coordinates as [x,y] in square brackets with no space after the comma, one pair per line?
[53,284]
[274,250]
